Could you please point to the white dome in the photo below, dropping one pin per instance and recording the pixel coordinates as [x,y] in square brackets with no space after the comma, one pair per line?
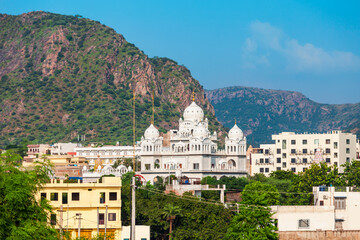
[151,132]
[236,133]
[200,131]
[193,112]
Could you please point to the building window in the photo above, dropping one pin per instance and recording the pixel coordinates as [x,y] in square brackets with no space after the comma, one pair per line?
[261,160]
[347,141]
[293,151]
[321,202]
[304,169]
[266,169]
[266,160]
[327,150]
[304,223]
[348,159]
[335,163]
[304,141]
[101,218]
[340,203]
[335,155]
[266,151]
[278,168]
[278,151]
[112,216]
[278,160]
[284,155]
[293,169]
[304,150]
[261,170]
[75,196]
[327,141]
[328,160]
[304,160]
[113,196]
[43,195]
[147,166]
[284,164]
[64,198]
[347,150]
[53,219]
[54,196]
[293,160]
[293,142]
[316,141]
[196,165]
[283,144]
[102,197]
[335,145]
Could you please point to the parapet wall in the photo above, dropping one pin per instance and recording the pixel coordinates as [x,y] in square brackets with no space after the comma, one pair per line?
[320,235]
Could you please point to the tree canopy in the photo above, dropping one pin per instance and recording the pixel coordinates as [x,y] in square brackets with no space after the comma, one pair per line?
[22,216]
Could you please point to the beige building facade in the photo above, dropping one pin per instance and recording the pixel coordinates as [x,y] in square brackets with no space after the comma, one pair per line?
[296,152]
[90,207]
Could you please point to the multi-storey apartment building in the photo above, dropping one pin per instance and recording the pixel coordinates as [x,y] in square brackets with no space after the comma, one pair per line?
[90,207]
[296,152]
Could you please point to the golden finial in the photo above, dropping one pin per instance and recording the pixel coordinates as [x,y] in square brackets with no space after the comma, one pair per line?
[235,121]
[193,97]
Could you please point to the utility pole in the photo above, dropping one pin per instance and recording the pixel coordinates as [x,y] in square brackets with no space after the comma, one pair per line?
[133,210]
[98,221]
[78,215]
[106,215]
[134,134]
[61,222]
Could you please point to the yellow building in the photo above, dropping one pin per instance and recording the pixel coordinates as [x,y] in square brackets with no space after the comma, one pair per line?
[92,206]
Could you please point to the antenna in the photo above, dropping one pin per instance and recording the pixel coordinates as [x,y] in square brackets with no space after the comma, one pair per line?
[134,131]
[153,109]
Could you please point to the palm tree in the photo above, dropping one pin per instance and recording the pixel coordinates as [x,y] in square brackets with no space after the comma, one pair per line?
[170,212]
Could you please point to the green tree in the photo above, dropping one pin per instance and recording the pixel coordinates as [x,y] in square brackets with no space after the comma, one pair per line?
[22,216]
[252,223]
[170,212]
[351,175]
[257,193]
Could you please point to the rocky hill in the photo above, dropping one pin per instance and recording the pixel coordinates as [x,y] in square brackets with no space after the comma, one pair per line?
[65,75]
[262,112]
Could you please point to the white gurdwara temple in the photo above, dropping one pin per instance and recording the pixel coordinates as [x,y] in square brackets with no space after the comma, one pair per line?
[193,151]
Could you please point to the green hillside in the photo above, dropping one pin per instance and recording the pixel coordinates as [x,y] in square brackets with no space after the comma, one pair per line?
[263,112]
[66,75]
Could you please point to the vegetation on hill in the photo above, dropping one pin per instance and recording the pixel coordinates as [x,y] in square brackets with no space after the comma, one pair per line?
[263,112]
[64,76]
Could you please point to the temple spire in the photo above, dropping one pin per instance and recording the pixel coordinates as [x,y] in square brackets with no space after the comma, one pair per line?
[193,96]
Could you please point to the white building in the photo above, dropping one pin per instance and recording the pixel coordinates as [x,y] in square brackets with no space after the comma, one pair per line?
[335,209]
[107,155]
[193,151]
[63,148]
[296,152]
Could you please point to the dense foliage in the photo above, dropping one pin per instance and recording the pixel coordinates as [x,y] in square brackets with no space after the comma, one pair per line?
[22,216]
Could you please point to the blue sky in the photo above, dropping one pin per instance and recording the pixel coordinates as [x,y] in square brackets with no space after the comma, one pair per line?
[307,46]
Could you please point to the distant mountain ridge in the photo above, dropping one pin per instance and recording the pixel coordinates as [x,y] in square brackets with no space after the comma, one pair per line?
[61,76]
[262,112]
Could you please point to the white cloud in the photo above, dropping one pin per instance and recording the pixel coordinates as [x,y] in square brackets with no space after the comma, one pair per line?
[269,45]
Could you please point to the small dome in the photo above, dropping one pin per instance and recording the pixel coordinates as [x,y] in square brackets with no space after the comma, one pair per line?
[193,112]
[236,133]
[151,132]
[200,131]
